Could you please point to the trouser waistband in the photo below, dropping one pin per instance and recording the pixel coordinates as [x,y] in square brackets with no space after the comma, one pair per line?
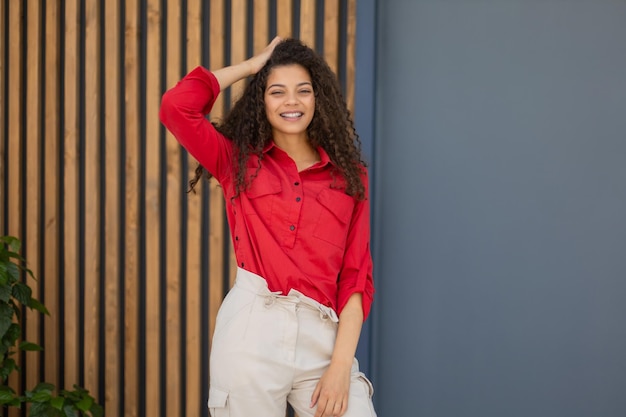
[250,281]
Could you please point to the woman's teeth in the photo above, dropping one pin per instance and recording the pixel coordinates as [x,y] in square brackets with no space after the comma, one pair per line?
[290,115]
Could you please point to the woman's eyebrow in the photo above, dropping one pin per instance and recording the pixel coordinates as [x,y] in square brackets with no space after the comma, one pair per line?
[283,85]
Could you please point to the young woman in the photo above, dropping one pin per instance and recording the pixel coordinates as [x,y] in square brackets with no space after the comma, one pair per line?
[288,160]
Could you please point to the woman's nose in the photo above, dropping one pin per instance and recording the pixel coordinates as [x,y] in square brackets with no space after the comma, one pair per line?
[291,99]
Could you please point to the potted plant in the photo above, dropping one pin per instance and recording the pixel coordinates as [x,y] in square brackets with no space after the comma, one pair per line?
[44,399]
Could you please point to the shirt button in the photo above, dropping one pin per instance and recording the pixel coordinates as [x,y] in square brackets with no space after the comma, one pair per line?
[242,264]
[292,227]
[298,199]
[296,183]
[236,237]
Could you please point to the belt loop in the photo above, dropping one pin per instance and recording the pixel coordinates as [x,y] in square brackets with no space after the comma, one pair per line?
[327,313]
[270,299]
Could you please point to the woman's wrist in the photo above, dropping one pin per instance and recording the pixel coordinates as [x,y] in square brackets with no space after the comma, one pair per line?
[227,76]
[342,362]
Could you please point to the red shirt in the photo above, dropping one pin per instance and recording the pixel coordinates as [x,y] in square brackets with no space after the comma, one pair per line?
[292,228]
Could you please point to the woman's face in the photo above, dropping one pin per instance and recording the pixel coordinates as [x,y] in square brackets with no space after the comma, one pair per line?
[289,100]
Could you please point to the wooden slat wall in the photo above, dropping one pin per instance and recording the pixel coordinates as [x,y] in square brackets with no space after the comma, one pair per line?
[131,267]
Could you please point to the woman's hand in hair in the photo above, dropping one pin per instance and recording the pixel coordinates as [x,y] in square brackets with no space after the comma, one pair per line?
[256,62]
[231,74]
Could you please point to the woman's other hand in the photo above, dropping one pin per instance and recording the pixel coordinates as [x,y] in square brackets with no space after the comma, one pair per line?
[332,391]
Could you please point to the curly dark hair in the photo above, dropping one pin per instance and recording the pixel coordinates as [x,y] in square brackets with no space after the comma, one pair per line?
[332,127]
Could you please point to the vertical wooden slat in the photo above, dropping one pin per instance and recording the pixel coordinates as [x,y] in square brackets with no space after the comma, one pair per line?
[351,54]
[15,131]
[173,223]
[33,191]
[261,25]
[153,212]
[50,276]
[307,22]
[238,41]
[14,99]
[131,232]
[239,27]
[3,121]
[112,177]
[92,197]
[70,196]
[195,367]
[283,18]
[331,33]
[217,239]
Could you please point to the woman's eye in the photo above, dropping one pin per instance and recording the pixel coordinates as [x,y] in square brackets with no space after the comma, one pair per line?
[275,93]
[305,91]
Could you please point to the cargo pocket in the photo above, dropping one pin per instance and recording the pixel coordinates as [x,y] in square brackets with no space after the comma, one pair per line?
[218,402]
[368,385]
[368,389]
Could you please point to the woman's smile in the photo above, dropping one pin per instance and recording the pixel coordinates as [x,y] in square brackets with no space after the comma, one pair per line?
[291,115]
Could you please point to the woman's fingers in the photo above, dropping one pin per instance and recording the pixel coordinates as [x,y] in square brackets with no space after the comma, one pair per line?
[337,409]
[315,396]
[257,61]
[328,407]
[275,41]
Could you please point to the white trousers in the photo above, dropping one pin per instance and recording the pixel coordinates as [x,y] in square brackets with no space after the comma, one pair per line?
[269,349]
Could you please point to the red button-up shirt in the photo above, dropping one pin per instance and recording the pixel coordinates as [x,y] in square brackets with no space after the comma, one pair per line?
[290,227]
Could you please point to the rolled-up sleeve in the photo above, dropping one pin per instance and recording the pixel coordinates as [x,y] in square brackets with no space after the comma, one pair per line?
[357,269]
[183,110]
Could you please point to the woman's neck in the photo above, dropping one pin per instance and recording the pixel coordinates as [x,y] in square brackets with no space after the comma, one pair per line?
[299,149]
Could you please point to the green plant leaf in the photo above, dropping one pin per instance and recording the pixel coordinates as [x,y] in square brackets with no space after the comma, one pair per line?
[16,402]
[8,366]
[4,273]
[16,309]
[57,402]
[5,292]
[15,255]
[30,346]
[70,411]
[71,396]
[36,305]
[13,242]
[6,394]
[12,334]
[44,387]
[14,272]
[85,403]
[6,318]
[22,293]
[29,272]
[96,410]
[40,397]
[43,410]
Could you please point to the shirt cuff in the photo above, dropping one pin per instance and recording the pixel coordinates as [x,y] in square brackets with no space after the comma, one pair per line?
[356,284]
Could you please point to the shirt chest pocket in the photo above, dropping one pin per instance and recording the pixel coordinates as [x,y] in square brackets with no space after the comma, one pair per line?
[335,213]
[261,196]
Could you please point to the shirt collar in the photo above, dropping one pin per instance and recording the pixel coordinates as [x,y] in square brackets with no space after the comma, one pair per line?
[324,158]
[270,145]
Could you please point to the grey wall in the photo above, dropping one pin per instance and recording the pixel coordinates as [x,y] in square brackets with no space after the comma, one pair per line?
[500,212]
